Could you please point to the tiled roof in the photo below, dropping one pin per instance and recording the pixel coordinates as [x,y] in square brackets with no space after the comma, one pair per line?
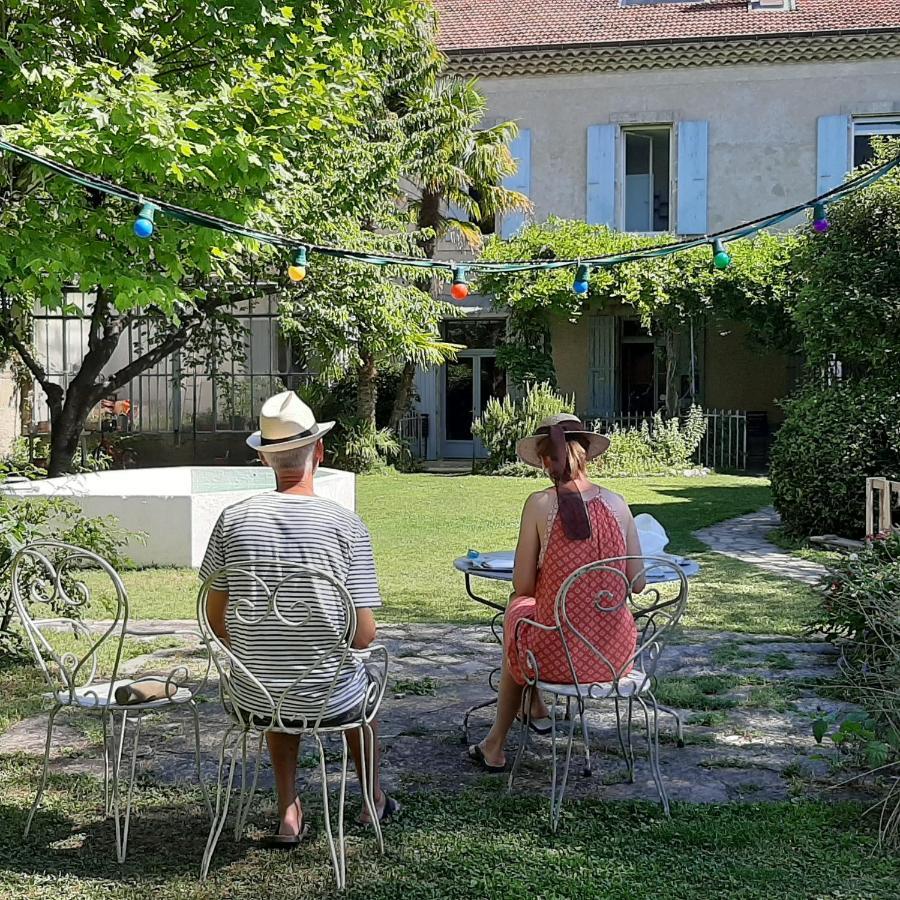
[472,25]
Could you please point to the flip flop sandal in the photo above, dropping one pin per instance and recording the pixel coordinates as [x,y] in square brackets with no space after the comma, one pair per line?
[541,726]
[476,754]
[391,809]
[286,841]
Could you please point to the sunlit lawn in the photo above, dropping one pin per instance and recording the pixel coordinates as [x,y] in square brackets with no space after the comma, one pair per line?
[420,523]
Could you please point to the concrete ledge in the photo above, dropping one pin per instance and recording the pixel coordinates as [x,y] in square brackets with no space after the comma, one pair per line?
[175,507]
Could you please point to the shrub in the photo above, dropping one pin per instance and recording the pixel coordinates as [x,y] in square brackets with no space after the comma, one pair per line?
[660,446]
[505,422]
[833,438]
[358,447]
[24,521]
[860,611]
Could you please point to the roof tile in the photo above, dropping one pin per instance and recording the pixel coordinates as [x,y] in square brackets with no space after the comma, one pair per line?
[471,25]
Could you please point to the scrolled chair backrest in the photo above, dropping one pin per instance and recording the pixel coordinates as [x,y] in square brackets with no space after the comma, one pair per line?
[263,601]
[655,615]
[52,576]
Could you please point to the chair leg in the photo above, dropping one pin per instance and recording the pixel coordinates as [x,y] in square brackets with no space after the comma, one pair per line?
[242,794]
[652,726]
[223,798]
[679,725]
[524,734]
[197,758]
[367,782]
[629,746]
[244,809]
[107,808]
[627,752]
[587,740]
[337,850]
[44,770]
[557,794]
[469,711]
[122,827]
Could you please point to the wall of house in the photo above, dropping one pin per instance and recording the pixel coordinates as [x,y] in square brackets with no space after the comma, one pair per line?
[762,125]
[571,357]
[740,376]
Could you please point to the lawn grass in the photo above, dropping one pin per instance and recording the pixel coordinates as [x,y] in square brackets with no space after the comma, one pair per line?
[420,523]
[481,844]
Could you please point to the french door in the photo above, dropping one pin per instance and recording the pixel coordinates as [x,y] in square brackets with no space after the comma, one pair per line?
[469,382]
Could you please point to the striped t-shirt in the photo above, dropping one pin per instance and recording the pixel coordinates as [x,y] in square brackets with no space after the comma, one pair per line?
[268,532]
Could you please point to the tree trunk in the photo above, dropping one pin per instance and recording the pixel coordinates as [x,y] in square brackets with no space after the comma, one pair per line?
[367,390]
[403,395]
[429,217]
[66,427]
[671,338]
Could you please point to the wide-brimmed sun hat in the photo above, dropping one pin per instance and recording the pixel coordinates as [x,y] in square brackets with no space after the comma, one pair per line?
[573,428]
[285,423]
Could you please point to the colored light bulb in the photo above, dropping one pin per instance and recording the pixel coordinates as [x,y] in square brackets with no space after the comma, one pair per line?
[820,218]
[581,284]
[143,224]
[459,290]
[297,270]
[721,257]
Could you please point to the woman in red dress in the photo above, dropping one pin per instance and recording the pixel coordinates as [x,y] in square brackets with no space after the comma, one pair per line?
[565,527]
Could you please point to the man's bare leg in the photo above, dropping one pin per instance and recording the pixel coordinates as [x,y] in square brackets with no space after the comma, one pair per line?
[357,747]
[283,750]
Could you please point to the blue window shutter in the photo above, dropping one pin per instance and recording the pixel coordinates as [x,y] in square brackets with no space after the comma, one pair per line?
[520,148]
[693,178]
[833,152]
[601,175]
[602,335]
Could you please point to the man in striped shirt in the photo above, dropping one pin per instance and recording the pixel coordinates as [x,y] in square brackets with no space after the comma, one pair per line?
[299,665]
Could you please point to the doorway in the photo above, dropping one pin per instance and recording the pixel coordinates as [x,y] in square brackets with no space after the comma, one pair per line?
[470,381]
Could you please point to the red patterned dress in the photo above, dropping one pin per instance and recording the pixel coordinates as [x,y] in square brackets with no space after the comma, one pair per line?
[613,633]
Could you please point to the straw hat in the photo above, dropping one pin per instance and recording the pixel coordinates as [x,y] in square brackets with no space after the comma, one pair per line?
[285,423]
[595,444]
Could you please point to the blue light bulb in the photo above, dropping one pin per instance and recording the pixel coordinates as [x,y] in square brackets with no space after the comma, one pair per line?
[581,284]
[143,224]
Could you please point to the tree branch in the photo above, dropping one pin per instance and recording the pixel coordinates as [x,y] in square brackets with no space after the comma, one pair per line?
[53,391]
[101,305]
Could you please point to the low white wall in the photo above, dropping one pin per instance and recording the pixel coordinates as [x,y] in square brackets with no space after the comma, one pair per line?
[175,507]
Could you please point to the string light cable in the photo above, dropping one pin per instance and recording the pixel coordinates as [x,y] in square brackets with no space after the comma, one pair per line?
[299,250]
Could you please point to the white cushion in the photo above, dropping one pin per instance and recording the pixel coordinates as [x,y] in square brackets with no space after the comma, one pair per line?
[629,685]
[94,696]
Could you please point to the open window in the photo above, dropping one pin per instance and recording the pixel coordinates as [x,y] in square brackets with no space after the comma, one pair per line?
[866,130]
[648,178]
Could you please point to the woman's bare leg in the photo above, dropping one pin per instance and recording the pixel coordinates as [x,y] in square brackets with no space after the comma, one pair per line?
[283,749]
[509,702]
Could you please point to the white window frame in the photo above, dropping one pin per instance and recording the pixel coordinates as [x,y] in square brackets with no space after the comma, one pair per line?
[621,171]
[872,126]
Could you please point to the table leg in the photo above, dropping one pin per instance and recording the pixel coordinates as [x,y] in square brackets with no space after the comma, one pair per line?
[497,630]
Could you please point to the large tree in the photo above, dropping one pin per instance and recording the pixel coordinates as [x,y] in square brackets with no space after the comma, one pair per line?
[457,166]
[242,110]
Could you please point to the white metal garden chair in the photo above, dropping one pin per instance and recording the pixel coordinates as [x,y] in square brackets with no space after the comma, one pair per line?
[241,689]
[655,616]
[52,576]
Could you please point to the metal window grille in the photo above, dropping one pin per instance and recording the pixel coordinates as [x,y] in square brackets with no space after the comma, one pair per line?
[167,398]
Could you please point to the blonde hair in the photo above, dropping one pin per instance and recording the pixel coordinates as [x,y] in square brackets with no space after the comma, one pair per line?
[575,451]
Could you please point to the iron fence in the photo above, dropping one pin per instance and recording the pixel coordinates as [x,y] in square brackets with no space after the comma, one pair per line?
[724,443]
[413,430]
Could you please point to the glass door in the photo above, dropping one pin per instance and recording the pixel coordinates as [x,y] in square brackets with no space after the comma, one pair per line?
[469,383]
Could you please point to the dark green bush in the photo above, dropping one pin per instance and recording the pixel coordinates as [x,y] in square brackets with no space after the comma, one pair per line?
[834,437]
[860,612]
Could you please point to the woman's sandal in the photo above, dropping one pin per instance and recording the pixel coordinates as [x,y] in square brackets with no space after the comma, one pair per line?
[476,754]
[286,841]
[540,726]
[391,809]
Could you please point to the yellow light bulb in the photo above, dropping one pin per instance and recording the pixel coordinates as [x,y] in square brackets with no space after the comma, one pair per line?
[296,273]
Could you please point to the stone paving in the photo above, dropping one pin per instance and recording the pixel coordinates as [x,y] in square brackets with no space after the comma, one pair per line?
[745,538]
[747,750]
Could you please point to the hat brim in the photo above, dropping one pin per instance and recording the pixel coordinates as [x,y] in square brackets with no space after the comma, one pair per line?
[321,429]
[526,449]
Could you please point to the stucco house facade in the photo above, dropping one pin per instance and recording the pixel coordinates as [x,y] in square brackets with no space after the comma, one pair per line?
[662,116]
